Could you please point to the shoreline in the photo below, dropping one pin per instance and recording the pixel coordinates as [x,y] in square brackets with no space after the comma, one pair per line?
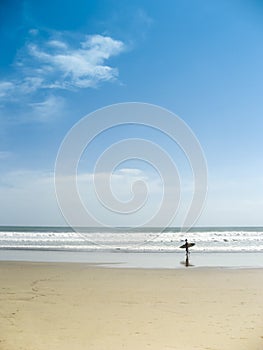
[139,260]
[109,267]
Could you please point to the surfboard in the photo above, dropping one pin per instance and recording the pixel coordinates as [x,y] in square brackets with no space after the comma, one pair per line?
[189,245]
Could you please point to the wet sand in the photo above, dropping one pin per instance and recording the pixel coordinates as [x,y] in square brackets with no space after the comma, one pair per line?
[81,306]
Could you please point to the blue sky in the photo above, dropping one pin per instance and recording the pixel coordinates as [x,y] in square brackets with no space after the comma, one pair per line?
[203,60]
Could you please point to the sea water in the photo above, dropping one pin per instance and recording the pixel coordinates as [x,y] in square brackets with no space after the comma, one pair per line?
[149,247]
[216,239]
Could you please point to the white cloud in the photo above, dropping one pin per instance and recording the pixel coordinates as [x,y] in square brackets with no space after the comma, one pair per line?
[28,198]
[50,108]
[110,196]
[130,171]
[57,44]
[42,110]
[5,88]
[12,91]
[143,18]
[30,84]
[55,64]
[66,67]
[33,31]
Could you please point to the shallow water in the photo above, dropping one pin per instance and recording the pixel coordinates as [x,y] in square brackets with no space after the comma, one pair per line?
[138,260]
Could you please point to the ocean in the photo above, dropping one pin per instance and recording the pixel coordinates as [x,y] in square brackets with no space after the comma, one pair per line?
[148,247]
[207,239]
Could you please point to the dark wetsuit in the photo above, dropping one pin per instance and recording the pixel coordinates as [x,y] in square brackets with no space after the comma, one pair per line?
[187,253]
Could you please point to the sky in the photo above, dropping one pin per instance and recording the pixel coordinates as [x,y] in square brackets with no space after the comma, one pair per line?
[200,59]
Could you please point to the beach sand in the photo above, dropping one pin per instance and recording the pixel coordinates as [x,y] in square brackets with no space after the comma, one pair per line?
[79,306]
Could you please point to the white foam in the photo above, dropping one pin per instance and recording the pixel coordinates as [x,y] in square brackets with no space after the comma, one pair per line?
[206,241]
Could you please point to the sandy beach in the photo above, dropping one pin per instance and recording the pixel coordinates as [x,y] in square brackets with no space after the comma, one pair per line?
[80,306]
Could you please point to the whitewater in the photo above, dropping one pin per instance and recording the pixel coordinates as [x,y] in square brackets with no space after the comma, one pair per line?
[212,239]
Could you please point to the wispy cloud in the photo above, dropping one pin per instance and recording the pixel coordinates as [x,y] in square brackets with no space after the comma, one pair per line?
[37,110]
[5,88]
[19,190]
[143,18]
[58,64]
[48,109]
[65,67]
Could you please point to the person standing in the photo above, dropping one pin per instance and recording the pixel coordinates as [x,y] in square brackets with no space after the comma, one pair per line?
[186,253]
[186,246]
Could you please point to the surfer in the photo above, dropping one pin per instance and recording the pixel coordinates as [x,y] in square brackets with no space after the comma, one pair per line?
[186,253]
[186,246]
